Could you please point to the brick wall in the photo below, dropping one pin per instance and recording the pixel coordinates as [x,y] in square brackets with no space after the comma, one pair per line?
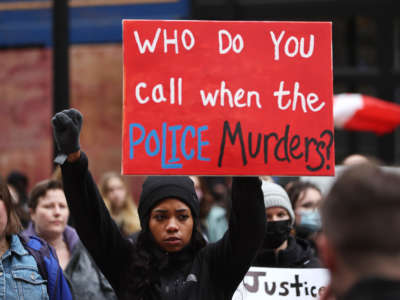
[26,109]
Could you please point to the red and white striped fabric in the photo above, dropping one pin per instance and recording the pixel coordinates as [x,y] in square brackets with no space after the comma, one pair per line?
[365,113]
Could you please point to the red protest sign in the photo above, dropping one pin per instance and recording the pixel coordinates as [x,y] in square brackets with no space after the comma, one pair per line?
[227,98]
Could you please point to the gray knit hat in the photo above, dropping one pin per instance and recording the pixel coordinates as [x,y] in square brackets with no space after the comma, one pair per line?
[275,195]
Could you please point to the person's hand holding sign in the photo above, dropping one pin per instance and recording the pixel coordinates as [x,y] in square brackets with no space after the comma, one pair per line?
[67,127]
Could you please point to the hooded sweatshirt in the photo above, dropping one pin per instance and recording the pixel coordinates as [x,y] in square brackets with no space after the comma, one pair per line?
[212,273]
[298,254]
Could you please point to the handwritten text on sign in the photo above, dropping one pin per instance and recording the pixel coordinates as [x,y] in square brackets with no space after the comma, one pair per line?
[219,98]
[281,284]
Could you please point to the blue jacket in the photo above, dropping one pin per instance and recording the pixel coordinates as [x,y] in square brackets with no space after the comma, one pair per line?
[19,275]
[84,277]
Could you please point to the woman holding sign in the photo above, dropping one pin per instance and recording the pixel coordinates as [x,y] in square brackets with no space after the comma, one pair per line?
[280,249]
[169,260]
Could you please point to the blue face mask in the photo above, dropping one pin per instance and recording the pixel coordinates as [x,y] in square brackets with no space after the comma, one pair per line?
[311,219]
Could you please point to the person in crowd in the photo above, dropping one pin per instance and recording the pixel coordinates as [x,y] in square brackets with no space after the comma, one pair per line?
[19,274]
[119,203]
[49,213]
[19,181]
[217,223]
[206,202]
[18,186]
[204,208]
[169,259]
[360,242]
[355,159]
[197,186]
[280,249]
[218,215]
[306,198]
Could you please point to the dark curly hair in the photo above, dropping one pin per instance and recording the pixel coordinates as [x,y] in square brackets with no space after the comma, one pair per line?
[146,263]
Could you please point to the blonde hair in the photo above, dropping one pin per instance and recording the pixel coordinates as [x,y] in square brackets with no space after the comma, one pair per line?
[127,219]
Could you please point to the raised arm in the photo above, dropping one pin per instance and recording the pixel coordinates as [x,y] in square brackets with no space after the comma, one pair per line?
[94,225]
[231,257]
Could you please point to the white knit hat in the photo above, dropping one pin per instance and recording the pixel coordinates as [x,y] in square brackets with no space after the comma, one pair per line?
[275,195]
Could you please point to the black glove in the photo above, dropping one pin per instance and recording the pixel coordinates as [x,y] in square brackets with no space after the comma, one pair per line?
[66,129]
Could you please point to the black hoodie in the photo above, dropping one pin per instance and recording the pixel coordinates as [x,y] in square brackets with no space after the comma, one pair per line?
[212,273]
[298,254]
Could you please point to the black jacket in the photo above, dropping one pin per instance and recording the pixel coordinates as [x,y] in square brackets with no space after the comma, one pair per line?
[373,289]
[298,254]
[214,272]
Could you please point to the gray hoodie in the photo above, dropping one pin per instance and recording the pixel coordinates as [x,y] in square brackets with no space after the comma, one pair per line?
[84,277]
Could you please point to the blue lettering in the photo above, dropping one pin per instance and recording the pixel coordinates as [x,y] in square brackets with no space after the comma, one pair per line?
[173,129]
[183,142]
[131,142]
[152,134]
[154,143]
[200,143]
[164,165]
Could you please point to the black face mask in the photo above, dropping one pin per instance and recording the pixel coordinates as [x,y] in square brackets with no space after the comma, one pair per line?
[276,233]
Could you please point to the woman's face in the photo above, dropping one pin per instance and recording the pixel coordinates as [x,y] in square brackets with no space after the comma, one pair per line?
[309,200]
[171,224]
[116,192]
[3,218]
[51,214]
[276,213]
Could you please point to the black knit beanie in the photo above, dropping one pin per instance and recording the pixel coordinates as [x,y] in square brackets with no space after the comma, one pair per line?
[157,188]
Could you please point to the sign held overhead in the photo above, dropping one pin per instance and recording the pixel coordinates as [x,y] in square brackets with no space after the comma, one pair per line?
[227,98]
